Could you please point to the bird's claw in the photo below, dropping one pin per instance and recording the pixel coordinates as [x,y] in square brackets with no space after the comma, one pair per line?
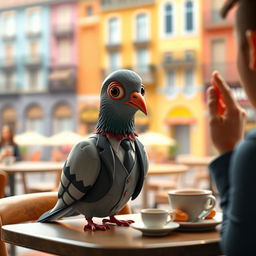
[93,226]
[112,219]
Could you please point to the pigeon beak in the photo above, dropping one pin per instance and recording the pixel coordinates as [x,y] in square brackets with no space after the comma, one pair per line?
[137,101]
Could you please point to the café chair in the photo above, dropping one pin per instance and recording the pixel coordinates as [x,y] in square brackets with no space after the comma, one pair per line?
[29,207]
[3,182]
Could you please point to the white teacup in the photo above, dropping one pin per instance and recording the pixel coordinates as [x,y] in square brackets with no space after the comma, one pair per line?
[155,218]
[197,203]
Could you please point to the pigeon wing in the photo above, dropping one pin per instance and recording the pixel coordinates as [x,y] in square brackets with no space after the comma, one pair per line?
[79,173]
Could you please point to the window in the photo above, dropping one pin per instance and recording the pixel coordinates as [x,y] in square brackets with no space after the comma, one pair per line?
[114,31]
[64,51]
[34,49]
[189,16]
[33,20]
[8,82]
[170,82]
[89,11]
[9,24]
[114,61]
[64,16]
[33,79]
[189,83]
[34,119]
[142,60]
[9,52]
[168,19]
[218,55]
[62,118]
[142,27]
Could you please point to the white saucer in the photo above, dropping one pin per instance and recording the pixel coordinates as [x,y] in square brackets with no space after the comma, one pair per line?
[203,225]
[165,230]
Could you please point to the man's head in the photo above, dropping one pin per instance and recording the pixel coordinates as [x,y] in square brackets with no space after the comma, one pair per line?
[246,43]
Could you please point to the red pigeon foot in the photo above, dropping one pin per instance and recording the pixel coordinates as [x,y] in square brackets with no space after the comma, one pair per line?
[112,219]
[93,226]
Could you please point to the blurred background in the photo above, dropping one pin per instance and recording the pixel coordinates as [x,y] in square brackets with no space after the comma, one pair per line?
[54,55]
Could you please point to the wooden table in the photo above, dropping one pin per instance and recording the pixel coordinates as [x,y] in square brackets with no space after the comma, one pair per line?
[66,237]
[23,167]
[161,169]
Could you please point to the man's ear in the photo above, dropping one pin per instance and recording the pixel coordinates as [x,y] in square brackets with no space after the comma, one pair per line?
[251,39]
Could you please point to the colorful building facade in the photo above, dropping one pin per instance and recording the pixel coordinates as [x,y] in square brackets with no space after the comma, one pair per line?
[89,72]
[27,99]
[180,104]
[161,40]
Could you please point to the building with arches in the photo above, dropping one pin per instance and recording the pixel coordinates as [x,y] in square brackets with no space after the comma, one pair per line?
[38,65]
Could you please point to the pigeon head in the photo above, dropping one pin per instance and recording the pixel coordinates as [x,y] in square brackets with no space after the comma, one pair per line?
[122,95]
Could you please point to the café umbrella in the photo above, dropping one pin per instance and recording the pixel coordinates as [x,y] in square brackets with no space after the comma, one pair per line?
[30,138]
[65,138]
[156,139]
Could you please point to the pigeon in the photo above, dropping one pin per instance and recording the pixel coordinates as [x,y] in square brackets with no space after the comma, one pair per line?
[103,172]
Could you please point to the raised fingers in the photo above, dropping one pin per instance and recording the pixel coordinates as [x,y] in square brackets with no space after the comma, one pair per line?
[212,102]
[226,93]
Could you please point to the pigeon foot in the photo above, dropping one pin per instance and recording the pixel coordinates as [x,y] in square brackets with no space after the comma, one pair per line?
[93,226]
[112,219]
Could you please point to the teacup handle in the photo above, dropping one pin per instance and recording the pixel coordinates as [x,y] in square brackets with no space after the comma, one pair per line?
[210,203]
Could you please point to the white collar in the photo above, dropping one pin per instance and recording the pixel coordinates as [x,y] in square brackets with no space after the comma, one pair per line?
[115,144]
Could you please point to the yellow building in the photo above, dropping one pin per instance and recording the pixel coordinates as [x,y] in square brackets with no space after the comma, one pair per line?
[161,40]
[180,96]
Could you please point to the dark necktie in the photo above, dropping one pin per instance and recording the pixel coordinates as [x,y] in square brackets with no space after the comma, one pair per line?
[128,159]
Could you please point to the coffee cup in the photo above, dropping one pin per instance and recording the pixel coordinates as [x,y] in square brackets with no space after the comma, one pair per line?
[155,218]
[197,203]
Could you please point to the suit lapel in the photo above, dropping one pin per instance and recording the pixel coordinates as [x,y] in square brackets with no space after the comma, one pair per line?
[106,154]
[141,154]
[143,166]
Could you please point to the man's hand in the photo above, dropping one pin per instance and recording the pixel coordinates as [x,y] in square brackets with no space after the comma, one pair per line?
[226,129]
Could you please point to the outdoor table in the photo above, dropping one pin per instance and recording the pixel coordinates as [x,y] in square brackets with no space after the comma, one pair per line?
[67,237]
[23,167]
[161,169]
[199,162]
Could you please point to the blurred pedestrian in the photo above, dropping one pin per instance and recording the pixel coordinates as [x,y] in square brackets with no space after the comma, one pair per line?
[9,150]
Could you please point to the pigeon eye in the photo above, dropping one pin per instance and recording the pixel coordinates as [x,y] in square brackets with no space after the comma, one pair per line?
[116,91]
[142,91]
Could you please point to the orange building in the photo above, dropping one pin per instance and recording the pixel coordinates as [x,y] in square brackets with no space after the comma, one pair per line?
[218,43]
[89,73]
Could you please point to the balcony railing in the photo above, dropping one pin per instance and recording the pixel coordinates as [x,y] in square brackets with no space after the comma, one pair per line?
[33,61]
[228,70]
[213,20]
[33,33]
[62,80]
[8,64]
[110,5]
[63,30]
[8,88]
[141,42]
[147,74]
[170,62]
[113,46]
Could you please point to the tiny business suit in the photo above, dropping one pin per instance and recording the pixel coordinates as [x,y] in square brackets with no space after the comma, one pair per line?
[108,187]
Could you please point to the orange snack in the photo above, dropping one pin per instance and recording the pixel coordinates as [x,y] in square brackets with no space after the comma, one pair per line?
[211,214]
[180,215]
